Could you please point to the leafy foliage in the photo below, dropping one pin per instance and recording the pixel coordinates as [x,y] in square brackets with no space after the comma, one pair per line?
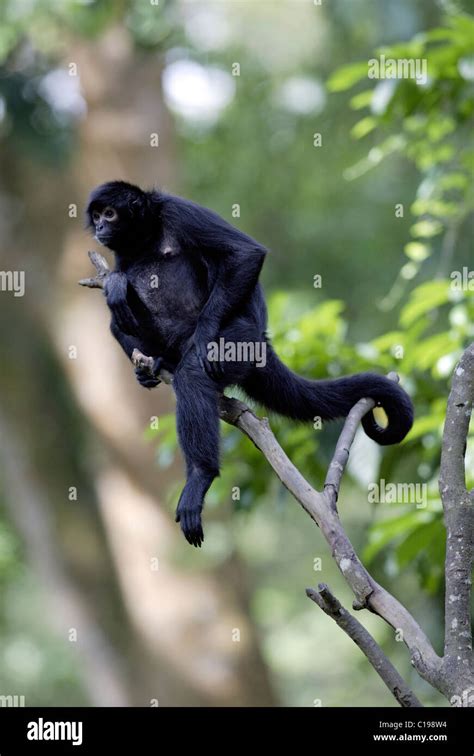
[429,123]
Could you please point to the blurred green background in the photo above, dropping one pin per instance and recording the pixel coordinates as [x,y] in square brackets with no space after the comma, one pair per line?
[264,112]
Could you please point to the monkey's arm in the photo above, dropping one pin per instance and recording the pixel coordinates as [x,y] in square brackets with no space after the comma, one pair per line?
[237,273]
[233,259]
[116,290]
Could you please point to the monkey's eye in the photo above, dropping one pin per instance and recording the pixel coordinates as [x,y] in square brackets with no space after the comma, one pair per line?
[110,214]
[96,217]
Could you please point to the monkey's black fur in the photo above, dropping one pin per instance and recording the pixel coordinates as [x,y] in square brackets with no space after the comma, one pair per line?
[184,277]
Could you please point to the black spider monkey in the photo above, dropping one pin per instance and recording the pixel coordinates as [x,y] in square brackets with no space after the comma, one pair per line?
[185,278]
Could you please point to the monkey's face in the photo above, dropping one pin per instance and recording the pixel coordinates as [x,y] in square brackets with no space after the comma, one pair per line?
[116,215]
[105,223]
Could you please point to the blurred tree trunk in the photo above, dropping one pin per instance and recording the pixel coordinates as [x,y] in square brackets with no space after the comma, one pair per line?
[172,628]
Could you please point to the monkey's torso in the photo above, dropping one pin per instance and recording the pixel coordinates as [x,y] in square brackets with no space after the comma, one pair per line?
[166,295]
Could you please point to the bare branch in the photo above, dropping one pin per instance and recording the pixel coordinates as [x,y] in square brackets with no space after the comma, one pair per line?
[342,450]
[367,644]
[100,264]
[344,443]
[459,520]
[318,505]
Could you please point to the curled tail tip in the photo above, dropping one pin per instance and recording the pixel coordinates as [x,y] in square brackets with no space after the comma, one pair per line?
[400,411]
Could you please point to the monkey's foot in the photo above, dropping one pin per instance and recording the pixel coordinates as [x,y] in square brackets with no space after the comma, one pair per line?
[148,377]
[145,379]
[189,517]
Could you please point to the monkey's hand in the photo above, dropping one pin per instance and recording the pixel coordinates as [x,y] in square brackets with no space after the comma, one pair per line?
[149,378]
[115,289]
[202,340]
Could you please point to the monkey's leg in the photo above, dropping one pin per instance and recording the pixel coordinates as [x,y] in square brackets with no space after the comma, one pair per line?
[128,344]
[197,415]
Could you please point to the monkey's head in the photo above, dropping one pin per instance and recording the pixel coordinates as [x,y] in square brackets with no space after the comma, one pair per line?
[118,216]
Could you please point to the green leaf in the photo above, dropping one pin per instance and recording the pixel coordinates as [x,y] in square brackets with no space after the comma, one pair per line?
[434,348]
[442,61]
[347,76]
[464,25]
[439,34]
[417,251]
[393,143]
[425,425]
[439,127]
[435,207]
[388,341]
[417,541]
[414,48]
[424,298]
[409,271]
[386,530]
[427,156]
[415,124]
[456,180]
[467,160]
[426,228]
[362,100]
[363,127]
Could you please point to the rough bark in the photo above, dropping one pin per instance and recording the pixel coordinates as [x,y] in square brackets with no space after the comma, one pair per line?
[458,505]
[369,647]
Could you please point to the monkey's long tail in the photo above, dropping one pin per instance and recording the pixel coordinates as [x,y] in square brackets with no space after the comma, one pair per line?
[282,391]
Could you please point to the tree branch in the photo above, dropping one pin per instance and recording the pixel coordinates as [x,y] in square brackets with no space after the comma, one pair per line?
[344,443]
[458,505]
[367,644]
[100,264]
[320,508]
